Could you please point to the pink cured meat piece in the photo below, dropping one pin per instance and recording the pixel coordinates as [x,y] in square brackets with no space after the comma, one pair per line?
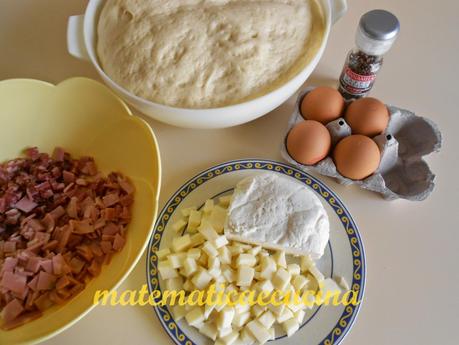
[13,282]
[25,205]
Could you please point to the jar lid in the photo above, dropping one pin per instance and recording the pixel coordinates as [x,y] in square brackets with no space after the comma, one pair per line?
[380,25]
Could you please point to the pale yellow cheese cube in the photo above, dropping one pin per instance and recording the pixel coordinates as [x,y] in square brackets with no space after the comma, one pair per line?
[316,273]
[293,269]
[299,316]
[194,253]
[268,267]
[208,231]
[229,274]
[224,255]
[343,283]
[213,262]
[215,273]
[246,259]
[285,315]
[254,250]
[267,319]
[179,225]
[209,330]
[265,285]
[176,260]
[220,241]
[279,258]
[182,243]
[276,309]
[201,279]
[218,218]
[235,250]
[209,249]
[281,279]
[230,339]
[190,266]
[161,254]
[186,211]
[195,316]
[223,332]
[208,206]
[258,331]
[166,270]
[299,282]
[225,317]
[197,239]
[194,220]
[245,275]
[203,259]
[257,310]
[290,326]
[208,309]
[174,284]
[246,337]
[179,312]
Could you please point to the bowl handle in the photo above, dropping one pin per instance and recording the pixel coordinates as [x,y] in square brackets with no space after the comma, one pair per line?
[75,37]
[338,9]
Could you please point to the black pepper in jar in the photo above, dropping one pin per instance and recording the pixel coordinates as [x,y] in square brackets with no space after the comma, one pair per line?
[376,33]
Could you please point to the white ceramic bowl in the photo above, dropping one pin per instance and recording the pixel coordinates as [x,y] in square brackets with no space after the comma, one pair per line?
[81,41]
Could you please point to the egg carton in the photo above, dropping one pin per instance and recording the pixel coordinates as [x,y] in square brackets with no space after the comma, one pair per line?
[402,172]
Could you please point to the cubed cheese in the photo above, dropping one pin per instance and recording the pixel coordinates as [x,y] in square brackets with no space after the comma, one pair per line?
[179,225]
[246,259]
[194,220]
[203,259]
[209,330]
[281,279]
[218,218]
[182,243]
[279,258]
[246,337]
[176,260]
[188,286]
[285,315]
[235,250]
[166,270]
[299,282]
[186,211]
[163,253]
[290,326]
[299,316]
[224,200]
[223,332]
[209,249]
[201,279]
[229,275]
[343,283]
[276,309]
[208,206]
[195,316]
[272,333]
[225,317]
[220,241]
[174,284]
[268,267]
[230,339]
[329,288]
[208,231]
[293,269]
[240,319]
[215,273]
[267,319]
[257,310]
[224,255]
[258,331]
[194,253]
[197,239]
[316,273]
[179,312]
[190,266]
[254,250]
[213,262]
[245,275]
[265,285]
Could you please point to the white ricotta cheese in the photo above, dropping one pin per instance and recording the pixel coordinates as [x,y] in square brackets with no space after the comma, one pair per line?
[278,213]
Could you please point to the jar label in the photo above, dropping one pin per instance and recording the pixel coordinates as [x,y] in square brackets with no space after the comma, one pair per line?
[356,84]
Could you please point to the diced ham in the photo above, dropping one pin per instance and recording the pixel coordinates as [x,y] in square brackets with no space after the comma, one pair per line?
[60,221]
[12,310]
[118,242]
[33,264]
[110,199]
[46,281]
[83,227]
[13,282]
[25,205]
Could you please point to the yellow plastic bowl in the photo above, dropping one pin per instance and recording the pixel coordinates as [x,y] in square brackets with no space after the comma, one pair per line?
[85,118]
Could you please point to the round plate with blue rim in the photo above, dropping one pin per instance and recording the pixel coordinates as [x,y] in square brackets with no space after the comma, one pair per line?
[344,255]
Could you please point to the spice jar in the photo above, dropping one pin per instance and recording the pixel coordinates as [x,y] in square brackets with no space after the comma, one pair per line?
[375,35]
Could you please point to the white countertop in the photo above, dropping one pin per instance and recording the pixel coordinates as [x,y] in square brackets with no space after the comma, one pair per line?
[412,248]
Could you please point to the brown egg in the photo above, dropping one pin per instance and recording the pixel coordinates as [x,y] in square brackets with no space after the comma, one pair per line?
[323,104]
[367,116]
[308,142]
[356,157]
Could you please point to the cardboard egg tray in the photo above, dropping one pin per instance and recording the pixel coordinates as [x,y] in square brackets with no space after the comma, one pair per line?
[402,172]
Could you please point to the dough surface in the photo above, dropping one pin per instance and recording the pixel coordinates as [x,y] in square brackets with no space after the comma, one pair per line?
[208,53]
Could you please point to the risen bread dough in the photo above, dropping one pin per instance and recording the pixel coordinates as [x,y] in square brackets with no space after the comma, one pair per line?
[208,53]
